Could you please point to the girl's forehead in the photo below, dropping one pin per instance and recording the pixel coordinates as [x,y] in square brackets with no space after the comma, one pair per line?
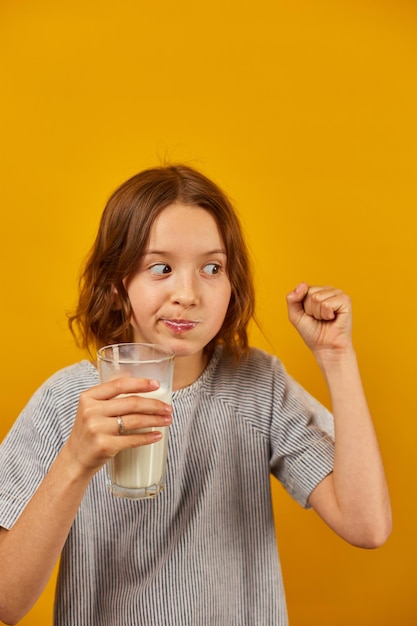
[180,222]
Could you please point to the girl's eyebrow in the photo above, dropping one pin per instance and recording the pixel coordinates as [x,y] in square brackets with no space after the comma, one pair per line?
[162,252]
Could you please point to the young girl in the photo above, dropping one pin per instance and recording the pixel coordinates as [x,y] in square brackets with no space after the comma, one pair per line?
[169,266]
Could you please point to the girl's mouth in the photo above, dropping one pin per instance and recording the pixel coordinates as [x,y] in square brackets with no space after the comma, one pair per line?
[179,326]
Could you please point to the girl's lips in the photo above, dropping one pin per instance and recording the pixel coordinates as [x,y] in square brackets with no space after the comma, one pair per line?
[179,326]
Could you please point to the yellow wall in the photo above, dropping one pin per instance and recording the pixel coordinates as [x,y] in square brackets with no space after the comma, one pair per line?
[306,113]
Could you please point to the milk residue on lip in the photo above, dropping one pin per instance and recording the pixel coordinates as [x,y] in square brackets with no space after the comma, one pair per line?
[179,327]
[138,468]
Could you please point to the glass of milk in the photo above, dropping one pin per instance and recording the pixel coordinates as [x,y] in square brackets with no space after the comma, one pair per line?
[139,473]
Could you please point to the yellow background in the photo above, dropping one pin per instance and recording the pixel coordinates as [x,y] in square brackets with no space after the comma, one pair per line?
[305,112]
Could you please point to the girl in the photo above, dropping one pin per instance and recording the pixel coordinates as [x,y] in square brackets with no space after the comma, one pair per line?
[169,266]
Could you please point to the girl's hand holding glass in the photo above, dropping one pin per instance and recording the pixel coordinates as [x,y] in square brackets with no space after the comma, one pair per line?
[95,437]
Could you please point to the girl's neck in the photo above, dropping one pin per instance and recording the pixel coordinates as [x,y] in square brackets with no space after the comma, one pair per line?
[188,368]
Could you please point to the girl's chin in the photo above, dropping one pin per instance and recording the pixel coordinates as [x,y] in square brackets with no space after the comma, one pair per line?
[182,352]
[180,345]
[187,352]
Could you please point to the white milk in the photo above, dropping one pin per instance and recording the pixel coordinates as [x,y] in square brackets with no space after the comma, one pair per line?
[138,468]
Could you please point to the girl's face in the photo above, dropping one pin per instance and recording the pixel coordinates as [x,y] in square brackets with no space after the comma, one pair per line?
[180,292]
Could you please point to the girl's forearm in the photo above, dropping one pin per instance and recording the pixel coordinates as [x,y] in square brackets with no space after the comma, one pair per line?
[359,483]
[30,550]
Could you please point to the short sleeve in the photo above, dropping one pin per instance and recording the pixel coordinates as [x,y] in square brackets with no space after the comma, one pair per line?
[26,454]
[37,436]
[302,438]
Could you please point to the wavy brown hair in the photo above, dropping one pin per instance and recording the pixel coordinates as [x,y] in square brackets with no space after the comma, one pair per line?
[121,240]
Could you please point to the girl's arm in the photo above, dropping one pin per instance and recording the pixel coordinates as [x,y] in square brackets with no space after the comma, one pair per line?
[353,500]
[30,549]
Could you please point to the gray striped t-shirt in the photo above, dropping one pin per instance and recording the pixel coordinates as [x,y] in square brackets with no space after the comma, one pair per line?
[204,551]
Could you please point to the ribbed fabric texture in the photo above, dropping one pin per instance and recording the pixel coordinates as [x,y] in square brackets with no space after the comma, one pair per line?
[204,551]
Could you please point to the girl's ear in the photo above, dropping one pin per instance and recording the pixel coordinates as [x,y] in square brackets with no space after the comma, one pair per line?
[116,300]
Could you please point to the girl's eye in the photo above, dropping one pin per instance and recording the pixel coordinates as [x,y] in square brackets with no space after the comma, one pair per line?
[160,269]
[211,268]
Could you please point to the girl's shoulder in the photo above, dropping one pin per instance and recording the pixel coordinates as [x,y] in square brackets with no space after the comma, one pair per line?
[64,387]
[256,362]
[81,375]
[258,372]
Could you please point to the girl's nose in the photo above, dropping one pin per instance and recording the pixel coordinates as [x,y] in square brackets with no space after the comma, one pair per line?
[185,292]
